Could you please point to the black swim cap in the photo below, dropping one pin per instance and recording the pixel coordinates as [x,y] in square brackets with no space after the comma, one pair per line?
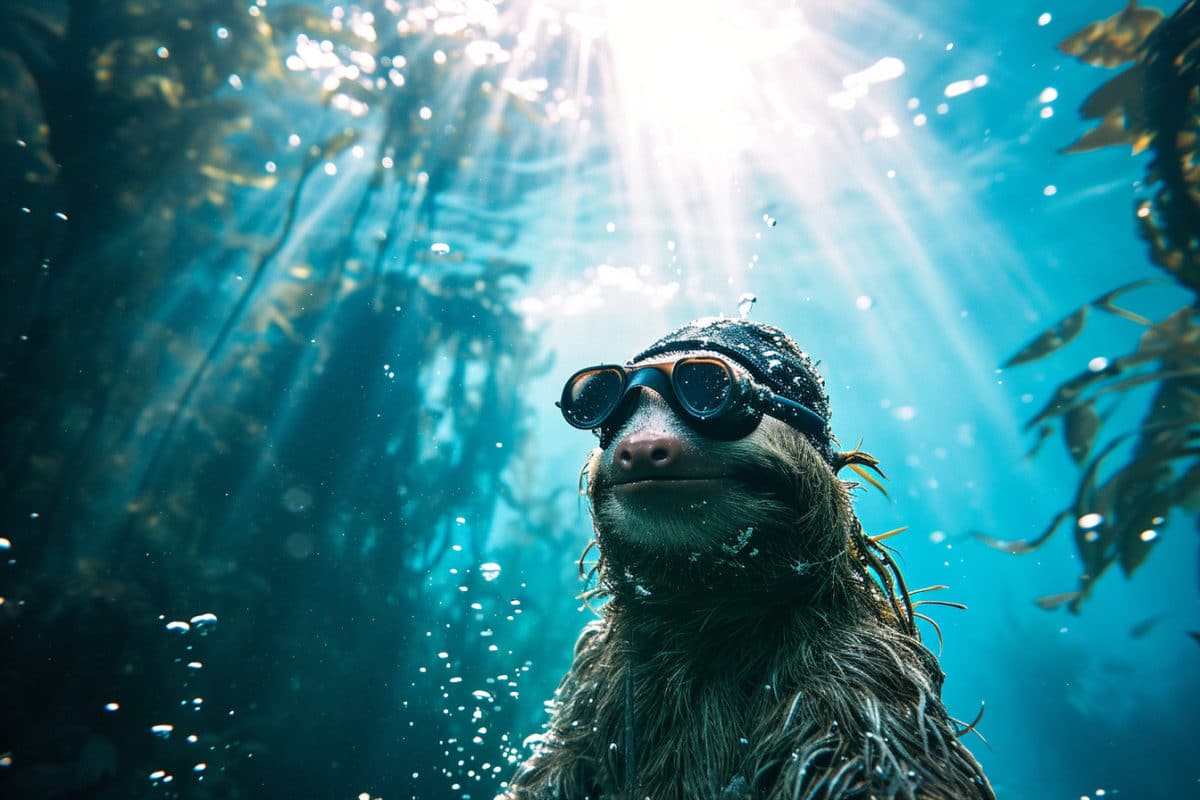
[766,352]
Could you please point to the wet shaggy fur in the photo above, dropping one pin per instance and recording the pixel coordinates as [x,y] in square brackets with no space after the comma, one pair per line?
[781,662]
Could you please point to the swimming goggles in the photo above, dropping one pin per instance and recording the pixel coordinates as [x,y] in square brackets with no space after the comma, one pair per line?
[708,392]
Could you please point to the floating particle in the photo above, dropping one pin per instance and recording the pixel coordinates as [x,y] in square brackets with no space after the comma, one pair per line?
[297,499]
[162,52]
[461,521]
[6,760]
[113,706]
[439,248]
[864,302]
[5,544]
[162,730]
[425,113]
[611,227]
[771,221]
[1048,95]
[178,626]
[1088,521]
[1050,190]
[1044,19]
[885,69]
[957,88]
[299,545]
[1047,112]
[204,620]
[158,775]
[330,168]
[1148,535]
[1097,364]
[194,665]
[200,767]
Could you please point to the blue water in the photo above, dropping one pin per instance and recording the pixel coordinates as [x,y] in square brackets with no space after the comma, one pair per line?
[883,178]
[964,257]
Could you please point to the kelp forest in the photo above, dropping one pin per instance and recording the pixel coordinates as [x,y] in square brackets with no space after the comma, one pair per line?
[262,404]
[1119,507]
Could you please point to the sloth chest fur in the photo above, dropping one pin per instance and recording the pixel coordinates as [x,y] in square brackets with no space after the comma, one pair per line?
[670,722]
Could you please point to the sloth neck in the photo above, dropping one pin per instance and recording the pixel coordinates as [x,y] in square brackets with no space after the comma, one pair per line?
[746,624]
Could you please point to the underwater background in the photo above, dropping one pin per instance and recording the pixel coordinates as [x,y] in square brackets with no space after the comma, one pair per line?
[289,292]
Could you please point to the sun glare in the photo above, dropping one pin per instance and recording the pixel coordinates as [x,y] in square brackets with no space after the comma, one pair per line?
[688,73]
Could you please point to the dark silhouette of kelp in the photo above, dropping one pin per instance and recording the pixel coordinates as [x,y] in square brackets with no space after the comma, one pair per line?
[1119,509]
[288,400]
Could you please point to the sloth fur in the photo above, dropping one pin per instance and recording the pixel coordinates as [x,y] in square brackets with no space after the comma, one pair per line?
[767,651]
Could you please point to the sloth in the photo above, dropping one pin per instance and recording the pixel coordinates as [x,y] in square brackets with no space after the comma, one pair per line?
[753,641]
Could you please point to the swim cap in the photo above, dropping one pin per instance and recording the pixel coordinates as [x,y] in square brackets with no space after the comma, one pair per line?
[771,356]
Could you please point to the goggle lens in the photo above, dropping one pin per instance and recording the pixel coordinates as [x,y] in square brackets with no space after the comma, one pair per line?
[703,386]
[591,396]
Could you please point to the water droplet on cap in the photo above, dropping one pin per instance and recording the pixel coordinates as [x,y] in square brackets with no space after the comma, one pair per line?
[745,303]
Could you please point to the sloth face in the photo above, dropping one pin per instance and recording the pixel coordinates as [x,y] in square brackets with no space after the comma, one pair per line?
[661,486]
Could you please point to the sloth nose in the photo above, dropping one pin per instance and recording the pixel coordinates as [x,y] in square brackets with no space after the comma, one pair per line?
[644,454]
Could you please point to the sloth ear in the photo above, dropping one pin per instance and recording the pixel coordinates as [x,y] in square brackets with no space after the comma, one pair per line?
[860,461]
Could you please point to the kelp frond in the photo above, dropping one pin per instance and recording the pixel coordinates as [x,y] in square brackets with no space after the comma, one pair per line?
[860,461]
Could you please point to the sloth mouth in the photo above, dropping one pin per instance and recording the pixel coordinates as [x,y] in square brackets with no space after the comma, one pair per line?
[669,480]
